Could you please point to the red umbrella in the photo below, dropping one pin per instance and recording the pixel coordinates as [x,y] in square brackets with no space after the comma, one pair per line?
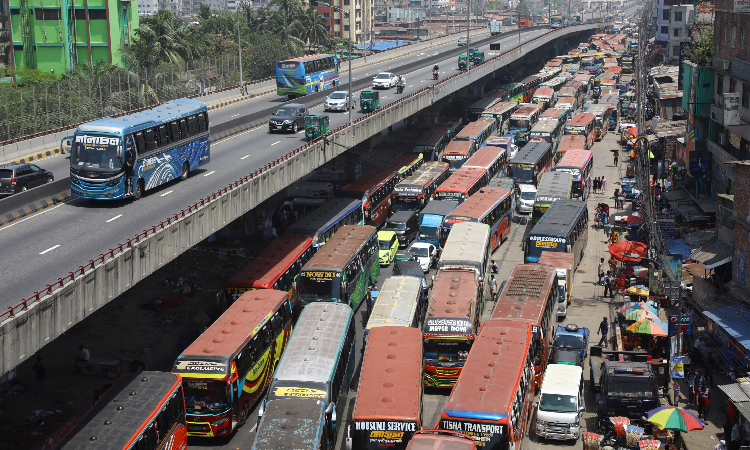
[633,131]
[622,250]
[636,217]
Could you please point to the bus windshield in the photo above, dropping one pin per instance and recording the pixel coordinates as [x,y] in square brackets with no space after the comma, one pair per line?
[428,233]
[447,349]
[518,124]
[203,396]
[311,289]
[558,403]
[97,153]
[520,173]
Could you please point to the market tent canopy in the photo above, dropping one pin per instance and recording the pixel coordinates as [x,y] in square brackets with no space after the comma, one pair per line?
[713,253]
[619,249]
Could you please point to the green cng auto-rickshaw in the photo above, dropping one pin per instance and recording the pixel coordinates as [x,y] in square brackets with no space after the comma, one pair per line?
[477,57]
[462,62]
[369,100]
[316,125]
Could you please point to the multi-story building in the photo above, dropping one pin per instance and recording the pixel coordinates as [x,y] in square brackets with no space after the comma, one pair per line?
[729,127]
[56,37]
[680,30]
[662,22]
[359,15]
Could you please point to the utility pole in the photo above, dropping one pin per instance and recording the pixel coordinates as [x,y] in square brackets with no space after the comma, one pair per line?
[468,27]
[239,50]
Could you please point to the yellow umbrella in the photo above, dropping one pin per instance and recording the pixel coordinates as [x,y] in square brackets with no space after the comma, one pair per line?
[638,291]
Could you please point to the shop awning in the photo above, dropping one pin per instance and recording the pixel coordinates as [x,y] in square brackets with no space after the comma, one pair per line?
[734,320]
[713,253]
[677,247]
[736,392]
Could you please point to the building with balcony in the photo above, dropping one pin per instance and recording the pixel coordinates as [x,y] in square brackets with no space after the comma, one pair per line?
[680,31]
[56,37]
[662,22]
[359,15]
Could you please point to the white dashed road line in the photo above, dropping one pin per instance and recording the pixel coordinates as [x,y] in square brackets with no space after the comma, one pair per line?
[246,156]
[49,249]
[209,173]
[114,218]
[275,142]
[166,193]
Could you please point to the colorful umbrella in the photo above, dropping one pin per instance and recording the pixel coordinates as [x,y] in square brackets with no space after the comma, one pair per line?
[637,306]
[621,250]
[641,273]
[671,418]
[633,131]
[650,327]
[638,315]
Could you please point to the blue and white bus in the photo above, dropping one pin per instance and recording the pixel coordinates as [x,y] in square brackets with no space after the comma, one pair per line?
[166,142]
[306,74]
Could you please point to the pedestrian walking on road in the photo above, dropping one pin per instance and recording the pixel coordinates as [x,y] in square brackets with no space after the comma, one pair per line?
[703,401]
[40,374]
[676,394]
[691,379]
[603,329]
[608,284]
[493,286]
[600,271]
[617,157]
[596,185]
[604,184]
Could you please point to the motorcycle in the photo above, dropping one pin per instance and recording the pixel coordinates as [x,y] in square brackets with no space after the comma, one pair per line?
[435,74]
[399,88]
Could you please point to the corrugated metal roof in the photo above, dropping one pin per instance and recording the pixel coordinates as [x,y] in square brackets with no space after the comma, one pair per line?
[737,392]
[734,320]
[712,253]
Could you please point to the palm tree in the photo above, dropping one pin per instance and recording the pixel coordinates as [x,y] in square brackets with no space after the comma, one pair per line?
[285,25]
[523,9]
[204,12]
[314,29]
[160,39]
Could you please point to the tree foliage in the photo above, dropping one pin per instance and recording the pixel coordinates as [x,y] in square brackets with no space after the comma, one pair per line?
[523,9]
[702,48]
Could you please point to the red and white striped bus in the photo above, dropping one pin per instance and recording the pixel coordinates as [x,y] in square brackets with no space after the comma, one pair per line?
[583,124]
[462,184]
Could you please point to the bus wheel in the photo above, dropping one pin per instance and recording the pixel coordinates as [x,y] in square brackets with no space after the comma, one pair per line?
[138,190]
[184,173]
[244,414]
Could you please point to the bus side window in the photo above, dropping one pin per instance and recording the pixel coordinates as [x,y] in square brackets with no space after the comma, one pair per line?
[192,125]
[202,122]
[163,136]
[150,140]
[151,438]
[141,444]
[184,129]
[286,312]
[278,324]
[175,131]
[140,142]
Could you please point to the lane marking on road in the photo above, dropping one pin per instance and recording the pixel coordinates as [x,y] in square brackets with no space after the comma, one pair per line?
[246,156]
[166,193]
[114,218]
[16,222]
[275,142]
[49,249]
[236,115]
[209,173]
[422,81]
[411,85]
[255,427]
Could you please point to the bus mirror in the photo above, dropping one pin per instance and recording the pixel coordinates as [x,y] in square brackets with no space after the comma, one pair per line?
[261,410]
[568,248]
[66,145]
[119,152]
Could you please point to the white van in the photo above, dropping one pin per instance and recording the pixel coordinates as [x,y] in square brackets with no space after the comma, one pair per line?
[526,197]
[558,412]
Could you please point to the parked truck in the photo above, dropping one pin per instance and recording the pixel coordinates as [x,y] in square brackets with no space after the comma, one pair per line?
[525,21]
[495,27]
[564,264]
[624,388]
[431,220]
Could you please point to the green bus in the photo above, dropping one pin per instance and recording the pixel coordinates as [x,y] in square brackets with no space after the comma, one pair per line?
[343,269]
[553,186]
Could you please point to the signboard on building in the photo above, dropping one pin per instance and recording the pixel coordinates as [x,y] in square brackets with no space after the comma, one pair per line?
[666,222]
[741,68]
[731,108]
[741,6]
[734,139]
[686,325]
[684,56]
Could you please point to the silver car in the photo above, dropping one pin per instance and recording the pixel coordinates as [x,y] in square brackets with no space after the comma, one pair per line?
[340,101]
[384,80]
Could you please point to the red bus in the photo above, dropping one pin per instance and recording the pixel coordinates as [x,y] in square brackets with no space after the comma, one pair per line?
[450,325]
[457,152]
[491,206]
[462,184]
[583,124]
[578,163]
[276,267]
[441,440]
[492,400]
[374,189]
[226,369]
[530,296]
[388,424]
[529,87]
[414,192]
[570,142]
[491,158]
[405,164]
[121,419]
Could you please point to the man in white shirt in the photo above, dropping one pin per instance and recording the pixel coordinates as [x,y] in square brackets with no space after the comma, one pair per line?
[85,355]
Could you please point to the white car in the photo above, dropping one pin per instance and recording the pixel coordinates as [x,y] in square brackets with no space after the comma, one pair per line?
[526,197]
[463,40]
[339,101]
[384,80]
[425,254]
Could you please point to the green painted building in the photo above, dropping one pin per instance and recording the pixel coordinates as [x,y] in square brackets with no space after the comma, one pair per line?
[57,35]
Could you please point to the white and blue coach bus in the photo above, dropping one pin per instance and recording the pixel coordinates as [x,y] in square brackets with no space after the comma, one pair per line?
[165,142]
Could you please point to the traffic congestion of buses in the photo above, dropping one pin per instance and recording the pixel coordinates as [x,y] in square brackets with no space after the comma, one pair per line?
[286,340]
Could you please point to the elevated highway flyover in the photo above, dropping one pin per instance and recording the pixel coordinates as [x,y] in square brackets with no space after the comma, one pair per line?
[246,169]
